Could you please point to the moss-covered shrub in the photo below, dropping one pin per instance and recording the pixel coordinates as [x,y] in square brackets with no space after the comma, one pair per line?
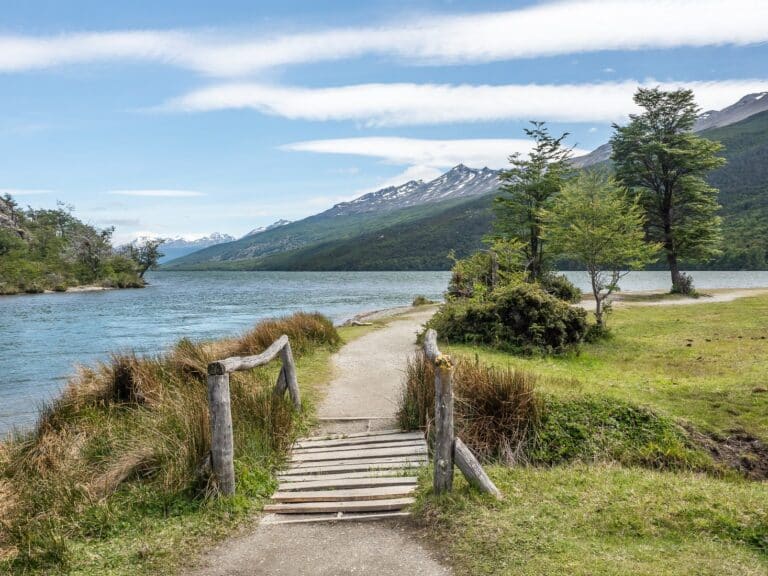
[520,317]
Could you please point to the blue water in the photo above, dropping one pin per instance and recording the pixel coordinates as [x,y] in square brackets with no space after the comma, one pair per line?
[43,337]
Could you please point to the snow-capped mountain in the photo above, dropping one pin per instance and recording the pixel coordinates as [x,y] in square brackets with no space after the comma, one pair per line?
[179,246]
[261,229]
[459,182]
[749,105]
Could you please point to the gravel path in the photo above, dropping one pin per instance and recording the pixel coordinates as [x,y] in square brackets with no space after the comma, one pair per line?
[368,373]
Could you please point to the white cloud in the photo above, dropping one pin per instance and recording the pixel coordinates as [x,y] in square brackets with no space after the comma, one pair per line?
[152,193]
[400,104]
[424,156]
[569,27]
[23,192]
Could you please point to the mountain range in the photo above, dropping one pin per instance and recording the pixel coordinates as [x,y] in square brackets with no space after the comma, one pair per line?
[415,225]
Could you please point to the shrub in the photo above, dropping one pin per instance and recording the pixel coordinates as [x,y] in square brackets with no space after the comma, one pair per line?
[495,409]
[421,301]
[560,287]
[519,317]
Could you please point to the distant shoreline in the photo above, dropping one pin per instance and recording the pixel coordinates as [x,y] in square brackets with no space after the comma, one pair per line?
[73,289]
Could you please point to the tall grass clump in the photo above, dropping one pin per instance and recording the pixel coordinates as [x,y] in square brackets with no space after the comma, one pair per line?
[495,409]
[129,438]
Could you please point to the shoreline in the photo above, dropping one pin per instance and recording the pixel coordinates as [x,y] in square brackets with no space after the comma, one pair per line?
[75,290]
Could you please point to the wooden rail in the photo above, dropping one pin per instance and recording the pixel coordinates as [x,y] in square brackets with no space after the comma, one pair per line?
[222,443]
[448,448]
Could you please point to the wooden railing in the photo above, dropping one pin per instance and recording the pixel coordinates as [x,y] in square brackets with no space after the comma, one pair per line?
[222,443]
[448,448]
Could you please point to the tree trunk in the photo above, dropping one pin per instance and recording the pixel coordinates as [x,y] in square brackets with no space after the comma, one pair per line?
[674,270]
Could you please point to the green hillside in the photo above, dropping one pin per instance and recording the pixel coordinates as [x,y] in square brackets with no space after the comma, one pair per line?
[421,244]
[243,254]
[743,184]
[420,238]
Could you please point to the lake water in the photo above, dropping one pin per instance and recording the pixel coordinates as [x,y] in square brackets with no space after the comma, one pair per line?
[42,337]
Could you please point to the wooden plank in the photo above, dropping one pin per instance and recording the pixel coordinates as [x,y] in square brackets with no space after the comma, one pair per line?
[472,470]
[380,473]
[399,437]
[236,363]
[332,483]
[348,495]
[381,445]
[272,518]
[344,436]
[344,507]
[359,466]
[360,454]
[222,442]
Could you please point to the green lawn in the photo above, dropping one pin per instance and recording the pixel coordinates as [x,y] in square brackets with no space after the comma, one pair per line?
[706,363]
[702,363]
[602,520]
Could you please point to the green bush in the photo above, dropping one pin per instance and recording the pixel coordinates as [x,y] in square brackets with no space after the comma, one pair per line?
[521,317]
[560,287]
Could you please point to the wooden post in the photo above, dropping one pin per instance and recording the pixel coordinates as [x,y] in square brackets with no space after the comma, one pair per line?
[289,369]
[443,480]
[472,470]
[222,443]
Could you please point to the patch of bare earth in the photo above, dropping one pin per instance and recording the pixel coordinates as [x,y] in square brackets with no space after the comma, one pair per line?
[739,450]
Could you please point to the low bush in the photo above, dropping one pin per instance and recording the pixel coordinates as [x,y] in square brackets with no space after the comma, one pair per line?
[520,317]
[421,301]
[128,440]
[560,287]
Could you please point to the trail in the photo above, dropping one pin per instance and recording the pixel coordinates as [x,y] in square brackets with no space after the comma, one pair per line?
[367,376]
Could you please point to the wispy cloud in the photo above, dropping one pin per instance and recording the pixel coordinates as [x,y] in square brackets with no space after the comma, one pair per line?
[152,193]
[24,192]
[401,104]
[420,153]
[571,27]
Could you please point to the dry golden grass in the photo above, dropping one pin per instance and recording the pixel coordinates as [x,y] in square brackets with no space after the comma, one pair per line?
[139,425]
[496,409]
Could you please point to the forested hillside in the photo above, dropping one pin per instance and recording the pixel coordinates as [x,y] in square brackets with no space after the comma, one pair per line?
[52,250]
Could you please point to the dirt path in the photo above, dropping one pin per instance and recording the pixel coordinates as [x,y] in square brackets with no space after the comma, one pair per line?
[368,373]
[663,298]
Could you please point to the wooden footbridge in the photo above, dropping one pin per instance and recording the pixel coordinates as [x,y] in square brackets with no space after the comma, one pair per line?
[352,476]
[345,476]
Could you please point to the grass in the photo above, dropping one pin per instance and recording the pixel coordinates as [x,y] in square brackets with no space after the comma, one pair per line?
[616,478]
[704,363]
[603,519]
[112,480]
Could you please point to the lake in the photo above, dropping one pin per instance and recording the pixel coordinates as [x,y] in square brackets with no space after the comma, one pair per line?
[42,337]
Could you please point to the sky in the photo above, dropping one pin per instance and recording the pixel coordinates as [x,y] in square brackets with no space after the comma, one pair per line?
[183,118]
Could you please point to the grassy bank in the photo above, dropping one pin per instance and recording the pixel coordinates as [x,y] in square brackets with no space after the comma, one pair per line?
[112,479]
[642,453]
[705,363]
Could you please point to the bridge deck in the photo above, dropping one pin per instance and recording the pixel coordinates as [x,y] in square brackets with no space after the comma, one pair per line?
[353,476]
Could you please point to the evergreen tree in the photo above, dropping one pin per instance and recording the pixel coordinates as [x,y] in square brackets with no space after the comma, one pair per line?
[662,162]
[528,189]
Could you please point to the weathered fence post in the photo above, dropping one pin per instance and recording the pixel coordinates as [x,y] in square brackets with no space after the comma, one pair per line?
[448,447]
[472,470]
[443,481]
[222,443]
[289,374]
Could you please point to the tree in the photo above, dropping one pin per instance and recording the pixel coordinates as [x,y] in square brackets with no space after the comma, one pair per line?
[146,255]
[663,163]
[528,190]
[594,221]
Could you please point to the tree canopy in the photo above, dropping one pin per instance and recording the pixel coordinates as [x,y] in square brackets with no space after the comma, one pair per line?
[663,163]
